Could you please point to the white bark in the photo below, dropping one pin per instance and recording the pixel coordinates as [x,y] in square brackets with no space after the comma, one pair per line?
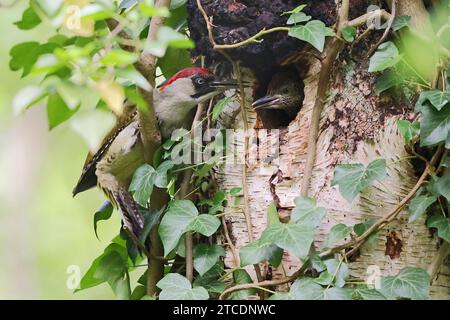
[354,129]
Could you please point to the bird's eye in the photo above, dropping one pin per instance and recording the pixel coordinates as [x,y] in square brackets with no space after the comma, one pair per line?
[285,91]
[200,81]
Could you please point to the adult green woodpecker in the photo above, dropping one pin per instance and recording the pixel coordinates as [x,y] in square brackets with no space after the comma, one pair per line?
[122,152]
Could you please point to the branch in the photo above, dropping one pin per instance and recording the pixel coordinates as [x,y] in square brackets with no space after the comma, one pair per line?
[386,31]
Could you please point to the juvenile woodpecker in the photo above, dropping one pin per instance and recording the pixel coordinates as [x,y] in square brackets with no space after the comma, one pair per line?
[284,93]
[122,152]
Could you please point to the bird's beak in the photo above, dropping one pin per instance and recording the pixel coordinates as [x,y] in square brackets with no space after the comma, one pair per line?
[265,102]
[228,84]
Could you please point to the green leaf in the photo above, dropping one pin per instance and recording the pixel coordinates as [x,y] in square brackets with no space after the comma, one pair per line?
[388,79]
[176,287]
[335,293]
[442,224]
[296,238]
[234,192]
[341,274]
[27,97]
[103,213]
[349,33]
[173,61]
[26,54]
[175,223]
[410,282]
[241,276]
[353,178]
[314,32]
[134,76]
[307,213]
[408,130]
[305,289]
[437,98]
[161,178]
[337,233]
[29,19]
[257,251]
[445,162]
[418,206]
[210,279]
[385,57]
[174,39]
[118,58]
[152,11]
[298,17]
[435,126]
[206,256]
[400,22]
[58,111]
[364,293]
[110,266]
[295,10]
[220,105]
[142,184]
[205,224]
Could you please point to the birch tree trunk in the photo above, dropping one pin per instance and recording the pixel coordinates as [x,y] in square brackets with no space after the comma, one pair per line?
[356,126]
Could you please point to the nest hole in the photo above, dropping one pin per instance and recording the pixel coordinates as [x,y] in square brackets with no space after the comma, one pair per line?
[272,118]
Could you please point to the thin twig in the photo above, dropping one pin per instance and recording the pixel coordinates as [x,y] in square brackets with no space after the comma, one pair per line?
[386,31]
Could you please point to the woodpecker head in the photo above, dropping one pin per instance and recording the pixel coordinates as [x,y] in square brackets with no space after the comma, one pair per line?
[285,92]
[192,86]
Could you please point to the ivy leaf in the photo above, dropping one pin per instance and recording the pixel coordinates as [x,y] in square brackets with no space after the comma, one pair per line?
[360,228]
[305,289]
[220,105]
[256,252]
[408,130]
[445,162]
[364,293]
[410,282]
[435,126]
[306,212]
[296,238]
[387,80]
[353,178]
[295,10]
[335,293]
[161,177]
[437,98]
[385,57]
[442,224]
[110,266]
[337,233]
[341,274]
[314,32]
[29,19]
[205,224]
[349,33]
[142,184]
[174,224]
[103,213]
[298,17]
[118,58]
[176,287]
[418,206]
[205,257]
[400,22]
[442,185]
[241,276]
[210,279]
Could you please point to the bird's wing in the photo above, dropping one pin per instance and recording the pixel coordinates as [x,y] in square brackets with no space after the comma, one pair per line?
[88,178]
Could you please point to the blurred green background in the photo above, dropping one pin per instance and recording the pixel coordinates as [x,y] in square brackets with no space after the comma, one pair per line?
[43,230]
